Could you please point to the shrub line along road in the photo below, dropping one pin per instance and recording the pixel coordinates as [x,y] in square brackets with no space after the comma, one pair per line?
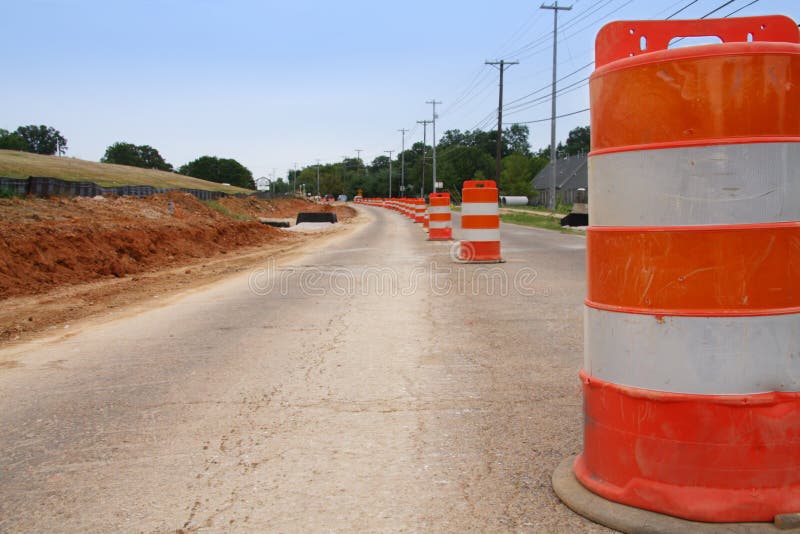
[372,384]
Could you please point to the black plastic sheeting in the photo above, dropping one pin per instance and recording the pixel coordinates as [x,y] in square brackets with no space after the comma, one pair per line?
[575,219]
[42,186]
[316,217]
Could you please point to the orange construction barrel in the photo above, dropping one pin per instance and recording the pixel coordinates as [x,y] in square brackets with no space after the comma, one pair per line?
[691,376]
[440,225]
[480,222]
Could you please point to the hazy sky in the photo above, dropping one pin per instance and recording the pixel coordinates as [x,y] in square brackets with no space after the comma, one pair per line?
[270,83]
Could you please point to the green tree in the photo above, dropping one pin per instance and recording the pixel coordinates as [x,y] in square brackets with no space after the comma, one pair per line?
[122,154]
[516,176]
[152,159]
[516,139]
[43,139]
[219,170]
[379,163]
[578,141]
[143,156]
[453,138]
[13,141]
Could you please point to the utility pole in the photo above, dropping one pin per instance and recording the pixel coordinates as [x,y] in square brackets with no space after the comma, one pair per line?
[294,182]
[424,146]
[344,161]
[434,102]
[502,65]
[318,178]
[403,164]
[390,171]
[358,153]
[553,156]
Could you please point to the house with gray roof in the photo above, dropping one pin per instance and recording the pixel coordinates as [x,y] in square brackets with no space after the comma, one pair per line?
[572,181]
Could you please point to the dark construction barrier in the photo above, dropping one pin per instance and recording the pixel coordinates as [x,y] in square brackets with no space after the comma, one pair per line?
[575,219]
[317,217]
[42,186]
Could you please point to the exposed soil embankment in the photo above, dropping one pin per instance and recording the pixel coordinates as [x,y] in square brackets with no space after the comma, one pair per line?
[49,243]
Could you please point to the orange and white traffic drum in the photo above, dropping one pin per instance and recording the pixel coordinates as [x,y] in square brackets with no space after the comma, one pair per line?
[691,376]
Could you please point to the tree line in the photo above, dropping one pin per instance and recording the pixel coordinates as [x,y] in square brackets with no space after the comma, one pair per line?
[211,168]
[46,140]
[36,139]
[461,155]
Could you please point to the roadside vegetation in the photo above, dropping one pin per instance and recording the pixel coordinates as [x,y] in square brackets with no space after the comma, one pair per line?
[563,209]
[6,193]
[546,222]
[47,141]
[461,155]
[15,164]
[219,208]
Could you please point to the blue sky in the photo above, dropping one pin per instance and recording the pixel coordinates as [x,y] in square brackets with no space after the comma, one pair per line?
[272,83]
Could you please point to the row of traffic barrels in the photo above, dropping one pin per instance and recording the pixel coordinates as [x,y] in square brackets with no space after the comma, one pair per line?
[480,218]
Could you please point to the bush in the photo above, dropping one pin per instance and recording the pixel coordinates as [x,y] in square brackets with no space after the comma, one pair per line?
[8,193]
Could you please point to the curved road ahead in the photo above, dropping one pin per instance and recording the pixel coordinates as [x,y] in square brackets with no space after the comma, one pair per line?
[372,385]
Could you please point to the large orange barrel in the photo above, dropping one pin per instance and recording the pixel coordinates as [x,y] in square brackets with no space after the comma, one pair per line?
[480,222]
[441,227]
[691,377]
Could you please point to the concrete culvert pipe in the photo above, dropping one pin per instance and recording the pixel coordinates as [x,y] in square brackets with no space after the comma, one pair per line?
[513,201]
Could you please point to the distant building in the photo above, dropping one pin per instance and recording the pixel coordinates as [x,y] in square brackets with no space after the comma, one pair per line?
[572,181]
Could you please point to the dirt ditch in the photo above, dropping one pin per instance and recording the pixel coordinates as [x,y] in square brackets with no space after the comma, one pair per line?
[62,259]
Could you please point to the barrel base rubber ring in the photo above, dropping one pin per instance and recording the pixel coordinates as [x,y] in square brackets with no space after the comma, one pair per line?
[629,519]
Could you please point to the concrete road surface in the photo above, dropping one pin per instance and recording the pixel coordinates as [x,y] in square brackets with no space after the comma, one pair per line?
[373,385]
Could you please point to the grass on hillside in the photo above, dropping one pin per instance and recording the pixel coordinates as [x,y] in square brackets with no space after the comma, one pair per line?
[15,164]
[539,221]
[216,206]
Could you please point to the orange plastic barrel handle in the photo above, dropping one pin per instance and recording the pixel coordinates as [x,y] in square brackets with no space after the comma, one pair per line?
[472,184]
[621,39]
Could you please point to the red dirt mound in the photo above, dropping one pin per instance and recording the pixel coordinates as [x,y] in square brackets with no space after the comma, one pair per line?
[53,242]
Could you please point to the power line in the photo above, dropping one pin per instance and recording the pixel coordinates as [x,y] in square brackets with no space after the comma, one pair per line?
[682,9]
[473,84]
[545,38]
[535,16]
[741,8]
[485,86]
[729,2]
[513,107]
[522,106]
[582,28]
[556,117]
[544,88]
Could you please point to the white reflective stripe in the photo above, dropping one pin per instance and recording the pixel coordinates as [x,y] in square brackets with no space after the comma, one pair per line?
[479,208]
[699,355]
[440,224]
[470,234]
[439,209]
[720,184]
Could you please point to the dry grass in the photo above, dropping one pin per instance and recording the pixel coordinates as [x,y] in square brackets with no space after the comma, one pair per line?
[23,164]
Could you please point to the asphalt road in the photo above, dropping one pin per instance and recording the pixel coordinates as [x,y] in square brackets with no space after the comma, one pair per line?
[372,385]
